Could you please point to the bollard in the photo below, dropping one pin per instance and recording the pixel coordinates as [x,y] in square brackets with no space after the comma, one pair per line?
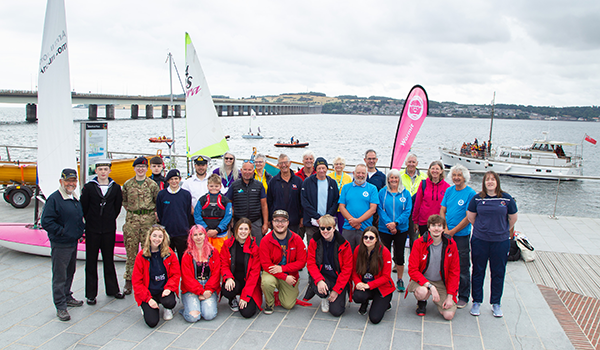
[93,112]
[31,113]
[135,111]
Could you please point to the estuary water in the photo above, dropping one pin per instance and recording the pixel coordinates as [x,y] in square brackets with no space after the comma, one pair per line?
[350,136]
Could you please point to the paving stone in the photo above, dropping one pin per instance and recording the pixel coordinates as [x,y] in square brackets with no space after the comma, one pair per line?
[118,344]
[14,333]
[435,347]
[91,323]
[192,338]
[233,328]
[285,338]
[61,341]
[464,324]
[108,331]
[464,342]
[299,317]
[252,340]
[320,330]
[529,343]
[267,323]
[159,341]
[437,333]
[345,339]
[306,345]
[352,320]
[406,340]
[378,336]
[42,334]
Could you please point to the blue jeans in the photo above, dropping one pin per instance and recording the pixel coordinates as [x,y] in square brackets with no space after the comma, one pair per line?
[207,308]
[497,254]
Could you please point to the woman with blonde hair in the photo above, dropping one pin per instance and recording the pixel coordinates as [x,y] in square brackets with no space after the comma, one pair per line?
[200,277]
[156,276]
[228,171]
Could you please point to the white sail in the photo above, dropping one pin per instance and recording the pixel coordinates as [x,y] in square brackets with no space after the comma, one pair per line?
[204,134]
[56,149]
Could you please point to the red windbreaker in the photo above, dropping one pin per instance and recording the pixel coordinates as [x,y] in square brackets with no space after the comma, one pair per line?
[450,264]
[344,258]
[383,279]
[252,288]
[140,278]
[189,283]
[271,254]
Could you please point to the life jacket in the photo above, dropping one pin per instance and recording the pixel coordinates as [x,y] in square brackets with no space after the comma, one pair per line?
[213,209]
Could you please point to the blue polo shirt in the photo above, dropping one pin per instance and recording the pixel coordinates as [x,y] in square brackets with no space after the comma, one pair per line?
[358,199]
[491,223]
[456,203]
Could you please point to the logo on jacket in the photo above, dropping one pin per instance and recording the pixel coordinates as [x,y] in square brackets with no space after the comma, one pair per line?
[294,187]
[402,199]
[461,202]
[424,257]
[240,190]
[365,194]
[502,203]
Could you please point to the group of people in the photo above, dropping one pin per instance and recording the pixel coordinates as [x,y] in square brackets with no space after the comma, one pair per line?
[241,234]
[475,149]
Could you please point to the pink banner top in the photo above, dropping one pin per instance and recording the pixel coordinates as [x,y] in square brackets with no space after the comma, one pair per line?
[416,108]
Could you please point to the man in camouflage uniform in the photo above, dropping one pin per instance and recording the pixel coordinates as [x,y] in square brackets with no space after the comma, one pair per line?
[139,199]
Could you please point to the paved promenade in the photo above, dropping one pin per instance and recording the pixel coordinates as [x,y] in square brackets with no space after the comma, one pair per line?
[28,315]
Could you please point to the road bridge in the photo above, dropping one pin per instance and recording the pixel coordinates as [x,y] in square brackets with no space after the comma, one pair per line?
[223,106]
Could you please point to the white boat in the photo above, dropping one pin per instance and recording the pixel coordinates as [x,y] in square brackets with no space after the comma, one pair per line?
[250,134]
[543,159]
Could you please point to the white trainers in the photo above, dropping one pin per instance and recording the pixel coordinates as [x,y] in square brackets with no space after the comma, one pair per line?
[325,305]
[168,314]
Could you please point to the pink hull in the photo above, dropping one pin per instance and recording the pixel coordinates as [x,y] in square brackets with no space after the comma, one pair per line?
[24,238]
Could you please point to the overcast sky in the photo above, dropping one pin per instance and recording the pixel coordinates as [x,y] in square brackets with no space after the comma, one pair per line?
[530,52]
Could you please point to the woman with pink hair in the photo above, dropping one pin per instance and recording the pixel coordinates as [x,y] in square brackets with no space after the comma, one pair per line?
[200,277]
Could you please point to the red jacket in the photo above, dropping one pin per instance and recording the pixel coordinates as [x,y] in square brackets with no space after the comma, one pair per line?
[428,200]
[140,278]
[344,260]
[252,288]
[383,279]
[271,254]
[300,173]
[450,264]
[189,283]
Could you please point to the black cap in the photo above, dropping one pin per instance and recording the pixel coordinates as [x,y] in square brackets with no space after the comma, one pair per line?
[171,173]
[140,161]
[321,161]
[68,174]
[201,160]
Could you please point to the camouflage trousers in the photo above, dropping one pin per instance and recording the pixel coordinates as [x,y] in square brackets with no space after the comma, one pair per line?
[135,230]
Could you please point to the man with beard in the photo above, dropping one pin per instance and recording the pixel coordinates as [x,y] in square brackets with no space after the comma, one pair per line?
[282,255]
[63,220]
[197,185]
[358,203]
[284,193]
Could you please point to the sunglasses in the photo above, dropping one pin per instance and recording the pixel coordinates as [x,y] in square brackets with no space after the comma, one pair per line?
[228,158]
[368,238]
[325,228]
[249,161]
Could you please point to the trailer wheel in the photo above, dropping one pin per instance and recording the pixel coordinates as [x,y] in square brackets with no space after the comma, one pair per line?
[19,198]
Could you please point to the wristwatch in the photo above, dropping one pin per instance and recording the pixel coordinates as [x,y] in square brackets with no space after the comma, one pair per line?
[429,286]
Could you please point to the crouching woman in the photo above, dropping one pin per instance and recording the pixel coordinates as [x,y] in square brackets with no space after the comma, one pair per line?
[372,275]
[156,276]
[240,267]
[200,277]
[329,265]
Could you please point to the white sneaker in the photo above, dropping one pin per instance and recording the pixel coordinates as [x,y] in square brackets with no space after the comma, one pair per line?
[168,314]
[325,305]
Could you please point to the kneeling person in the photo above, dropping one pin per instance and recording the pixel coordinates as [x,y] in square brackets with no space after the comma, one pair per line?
[240,268]
[432,252]
[330,267]
[282,255]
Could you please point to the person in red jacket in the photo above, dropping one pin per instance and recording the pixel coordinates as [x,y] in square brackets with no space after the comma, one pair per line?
[329,266]
[240,268]
[434,269]
[429,196]
[372,275]
[282,255]
[200,277]
[156,276]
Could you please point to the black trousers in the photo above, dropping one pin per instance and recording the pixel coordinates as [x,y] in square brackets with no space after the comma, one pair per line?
[105,243]
[399,240]
[338,307]
[64,261]
[179,244]
[250,309]
[152,316]
[379,305]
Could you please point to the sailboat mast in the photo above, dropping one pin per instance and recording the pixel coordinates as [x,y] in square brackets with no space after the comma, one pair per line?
[489,147]
[171,107]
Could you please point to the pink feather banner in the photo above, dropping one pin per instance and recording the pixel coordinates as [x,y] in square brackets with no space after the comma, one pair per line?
[416,108]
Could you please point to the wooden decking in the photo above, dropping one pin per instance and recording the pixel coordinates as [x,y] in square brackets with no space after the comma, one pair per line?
[577,273]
